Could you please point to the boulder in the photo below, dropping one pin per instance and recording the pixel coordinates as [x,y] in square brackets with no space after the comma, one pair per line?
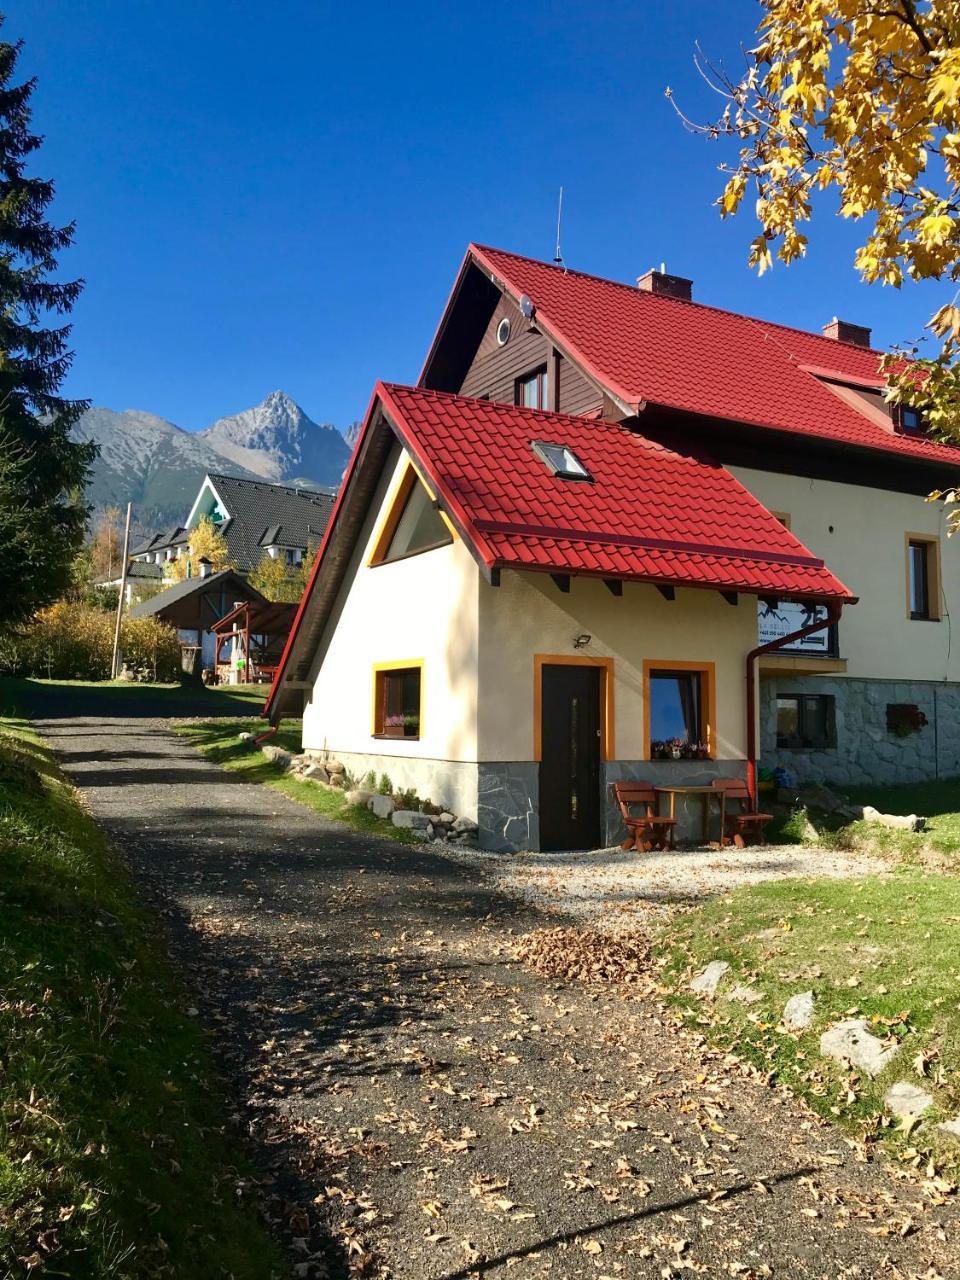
[896,821]
[950,1127]
[316,773]
[906,1099]
[410,819]
[798,1011]
[708,980]
[446,819]
[358,797]
[382,806]
[462,825]
[245,737]
[277,755]
[334,767]
[852,1041]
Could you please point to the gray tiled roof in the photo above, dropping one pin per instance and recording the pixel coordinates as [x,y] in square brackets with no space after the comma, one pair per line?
[293,517]
[159,541]
[180,591]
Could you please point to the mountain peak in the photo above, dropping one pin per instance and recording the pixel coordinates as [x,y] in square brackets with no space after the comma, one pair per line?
[277,439]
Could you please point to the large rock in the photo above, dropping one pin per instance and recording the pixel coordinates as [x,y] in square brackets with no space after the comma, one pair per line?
[382,806]
[798,1011]
[461,826]
[277,755]
[410,819]
[852,1041]
[316,773]
[950,1127]
[708,980]
[896,821]
[334,767]
[445,819]
[906,1099]
[358,797]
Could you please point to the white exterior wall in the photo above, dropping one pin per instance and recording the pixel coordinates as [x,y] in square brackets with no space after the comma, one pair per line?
[860,534]
[529,615]
[425,609]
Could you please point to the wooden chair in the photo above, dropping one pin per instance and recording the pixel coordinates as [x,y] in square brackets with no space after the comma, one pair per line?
[648,830]
[740,824]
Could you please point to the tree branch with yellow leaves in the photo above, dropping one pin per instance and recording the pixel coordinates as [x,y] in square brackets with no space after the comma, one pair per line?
[862,99]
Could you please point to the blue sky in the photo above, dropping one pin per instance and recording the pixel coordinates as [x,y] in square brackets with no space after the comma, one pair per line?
[280,195]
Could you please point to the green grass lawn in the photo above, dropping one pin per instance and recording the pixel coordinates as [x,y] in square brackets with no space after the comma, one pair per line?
[938,802]
[219,740]
[114,1161]
[883,947]
[42,699]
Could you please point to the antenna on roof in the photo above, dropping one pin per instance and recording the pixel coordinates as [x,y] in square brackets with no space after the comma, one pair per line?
[558,256]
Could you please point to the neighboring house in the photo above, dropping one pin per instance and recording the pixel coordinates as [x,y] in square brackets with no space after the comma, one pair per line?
[514,606]
[194,605]
[255,518]
[143,579]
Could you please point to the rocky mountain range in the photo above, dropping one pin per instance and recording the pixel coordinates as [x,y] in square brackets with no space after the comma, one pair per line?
[158,466]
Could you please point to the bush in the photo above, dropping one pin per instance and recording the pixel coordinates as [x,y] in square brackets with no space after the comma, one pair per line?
[151,648]
[71,641]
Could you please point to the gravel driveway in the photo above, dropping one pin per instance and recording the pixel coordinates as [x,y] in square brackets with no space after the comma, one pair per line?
[616,891]
[431,1110]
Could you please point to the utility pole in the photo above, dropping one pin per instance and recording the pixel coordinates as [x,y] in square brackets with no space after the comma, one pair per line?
[114,665]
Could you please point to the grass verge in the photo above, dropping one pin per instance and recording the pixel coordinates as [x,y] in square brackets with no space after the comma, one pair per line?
[114,1160]
[219,741]
[886,948]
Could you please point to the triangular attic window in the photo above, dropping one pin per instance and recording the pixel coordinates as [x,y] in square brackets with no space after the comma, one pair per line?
[414,524]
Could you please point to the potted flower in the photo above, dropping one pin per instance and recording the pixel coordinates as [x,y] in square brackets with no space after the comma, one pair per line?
[659,750]
[676,748]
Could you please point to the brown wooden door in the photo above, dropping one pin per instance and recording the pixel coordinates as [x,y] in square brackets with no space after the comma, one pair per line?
[570,758]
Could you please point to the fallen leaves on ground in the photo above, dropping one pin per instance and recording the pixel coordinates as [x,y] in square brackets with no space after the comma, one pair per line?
[584,955]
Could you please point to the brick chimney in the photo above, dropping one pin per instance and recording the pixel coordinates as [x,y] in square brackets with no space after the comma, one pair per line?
[844,331]
[668,286]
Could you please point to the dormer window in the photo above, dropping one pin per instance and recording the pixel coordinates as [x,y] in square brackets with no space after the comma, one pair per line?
[562,461]
[909,420]
[531,390]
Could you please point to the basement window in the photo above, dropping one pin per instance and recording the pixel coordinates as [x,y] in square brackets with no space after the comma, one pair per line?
[806,720]
[563,462]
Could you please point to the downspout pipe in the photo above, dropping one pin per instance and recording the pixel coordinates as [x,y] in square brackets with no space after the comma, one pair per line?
[834,609]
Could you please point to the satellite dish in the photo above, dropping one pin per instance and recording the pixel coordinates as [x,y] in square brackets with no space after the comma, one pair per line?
[526,307]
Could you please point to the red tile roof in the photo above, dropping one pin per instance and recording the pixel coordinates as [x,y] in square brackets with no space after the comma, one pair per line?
[648,513]
[650,349]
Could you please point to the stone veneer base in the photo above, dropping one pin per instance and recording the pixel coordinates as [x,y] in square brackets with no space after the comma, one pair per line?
[865,752]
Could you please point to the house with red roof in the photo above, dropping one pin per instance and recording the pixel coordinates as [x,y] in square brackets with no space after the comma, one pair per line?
[615,534]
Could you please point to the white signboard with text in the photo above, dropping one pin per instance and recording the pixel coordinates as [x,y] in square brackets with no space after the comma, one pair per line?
[775,622]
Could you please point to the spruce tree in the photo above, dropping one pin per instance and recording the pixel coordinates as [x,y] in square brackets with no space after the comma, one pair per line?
[41,500]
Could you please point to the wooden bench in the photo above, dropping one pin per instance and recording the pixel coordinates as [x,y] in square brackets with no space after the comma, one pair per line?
[744,824]
[649,829]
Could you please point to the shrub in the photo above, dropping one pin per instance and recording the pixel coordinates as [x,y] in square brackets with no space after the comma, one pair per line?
[151,647]
[385,786]
[71,641]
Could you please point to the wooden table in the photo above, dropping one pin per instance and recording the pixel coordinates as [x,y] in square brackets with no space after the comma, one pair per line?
[701,790]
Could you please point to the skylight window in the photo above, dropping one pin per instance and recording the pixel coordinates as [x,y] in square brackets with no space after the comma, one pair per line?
[563,462]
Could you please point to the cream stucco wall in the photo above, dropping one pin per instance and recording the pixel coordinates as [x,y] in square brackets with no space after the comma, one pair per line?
[529,615]
[423,608]
[860,533]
